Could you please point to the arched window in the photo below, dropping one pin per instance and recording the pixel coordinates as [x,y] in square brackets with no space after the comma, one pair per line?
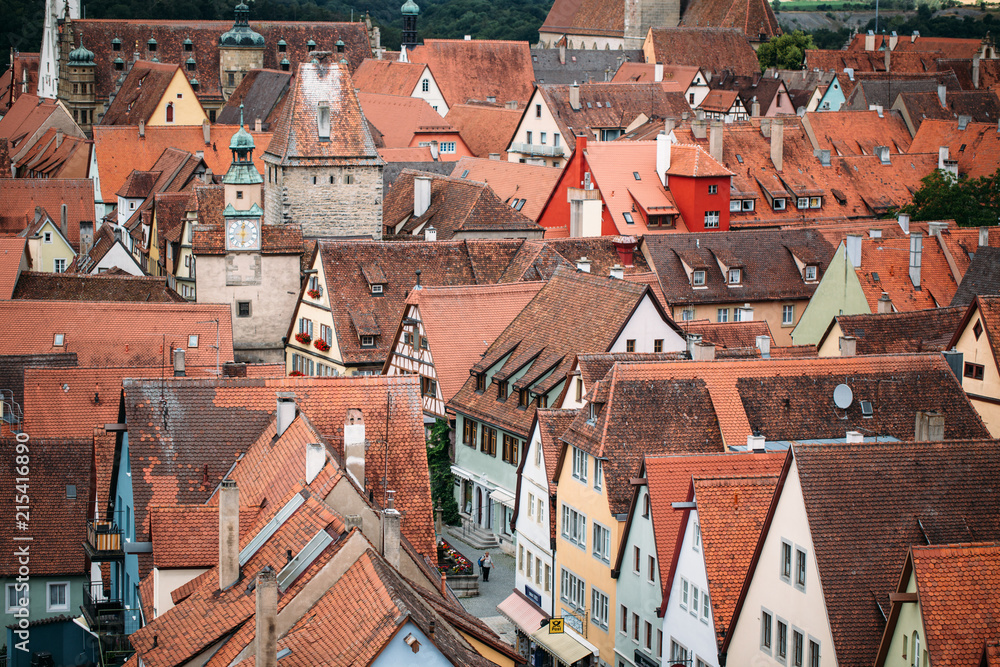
[170,112]
[426,85]
[916,650]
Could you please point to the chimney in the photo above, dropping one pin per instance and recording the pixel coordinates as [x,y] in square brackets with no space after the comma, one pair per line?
[618,272]
[267,618]
[824,157]
[421,195]
[929,426]
[984,236]
[744,314]
[229,534]
[888,57]
[942,91]
[495,156]
[715,141]
[699,128]
[755,107]
[764,345]
[914,35]
[883,154]
[59,138]
[315,460]
[574,97]
[352,521]
[936,227]
[848,346]
[893,40]
[777,143]
[286,411]
[64,220]
[975,71]
[904,222]
[232,369]
[435,150]
[916,248]
[853,246]
[444,584]
[963,121]
[142,128]
[430,234]
[390,531]
[943,152]
[206,132]
[756,444]
[854,437]
[658,72]
[511,105]
[257,125]
[662,157]
[691,341]
[625,247]
[179,362]
[562,53]
[583,264]
[765,127]
[669,124]
[354,445]
[703,351]
[884,304]
[870,41]
[877,108]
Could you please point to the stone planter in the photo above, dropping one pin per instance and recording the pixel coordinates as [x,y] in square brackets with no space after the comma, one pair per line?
[461,573]
[464,585]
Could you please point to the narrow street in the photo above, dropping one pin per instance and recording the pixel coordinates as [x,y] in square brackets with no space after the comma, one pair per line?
[492,592]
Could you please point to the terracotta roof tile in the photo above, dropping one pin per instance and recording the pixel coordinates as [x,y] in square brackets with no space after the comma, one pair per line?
[22,195]
[754,17]
[11,256]
[55,155]
[388,77]
[937,492]
[512,181]
[140,93]
[712,49]
[83,287]
[872,61]
[461,322]
[955,47]
[182,534]
[485,129]
[408,156]
[976,148]
[399,118]
[640,72]
[897,333]
[728,334]
[858,132]
[885,269]
[478,69]
[585,17]
[58,516]
[14,366]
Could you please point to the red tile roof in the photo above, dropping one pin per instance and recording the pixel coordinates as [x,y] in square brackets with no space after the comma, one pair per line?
[262,94]
[104,287]
[23,69]
[754,17]
[182,535]
[885,269]
[388,77]
[27,117]
[585,17]
[485,129]
[461,322]
[977,147]
[140,93]
[634,72]
[11,256]
[55,155]
[57,523]
[728,334]
[512,181]
[912,62]
[478,69]
[141,331]
[858,132]
[900,333]
[110,142]
[712,49]
[22,195]
[398,118]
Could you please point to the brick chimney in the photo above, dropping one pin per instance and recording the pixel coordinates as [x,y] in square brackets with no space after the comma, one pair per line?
[315,460]
[574,97]
[929,426]
[267,619]
[229,534]
[354,445]
[206,132]
[390,531]
[715,140]
[179,362]
[884,304]
[848,346]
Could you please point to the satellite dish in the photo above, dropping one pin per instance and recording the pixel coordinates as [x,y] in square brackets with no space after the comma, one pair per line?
[843,396]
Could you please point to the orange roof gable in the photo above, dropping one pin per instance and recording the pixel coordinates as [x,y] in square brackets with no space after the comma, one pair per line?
[478,69]
[512,181]
[11,254]
[388,77]
[885,267]
[398,118]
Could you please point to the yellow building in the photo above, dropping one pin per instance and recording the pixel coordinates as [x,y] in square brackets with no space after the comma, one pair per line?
[155,93]
[980,373]
[49,249]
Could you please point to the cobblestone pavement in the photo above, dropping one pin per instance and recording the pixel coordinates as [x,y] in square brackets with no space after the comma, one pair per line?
[492,592]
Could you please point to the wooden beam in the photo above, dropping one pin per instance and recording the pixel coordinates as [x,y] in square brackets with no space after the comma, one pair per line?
[902,597]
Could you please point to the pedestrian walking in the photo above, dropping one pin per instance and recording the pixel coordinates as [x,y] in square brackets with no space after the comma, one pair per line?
[485,563]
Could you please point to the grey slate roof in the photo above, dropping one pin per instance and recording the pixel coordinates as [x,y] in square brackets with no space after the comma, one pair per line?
[982,276]
[581,66]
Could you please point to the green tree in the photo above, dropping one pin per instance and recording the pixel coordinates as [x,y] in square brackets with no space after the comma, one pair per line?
[786,51]
[969,202]
[442,482]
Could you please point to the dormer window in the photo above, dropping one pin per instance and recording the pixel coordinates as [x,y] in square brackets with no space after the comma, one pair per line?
[119,64]
[592,412]
[378,289]
[698,278]
[285,65]
[340,46]
[58,340]
[323,121]
[190,64]
[810,274]
[188,45]
[151,44]
[502,390]
[194,85]
[734,276]
[116,44]
[367,341]
[523,398]
[311,45]
[480,382]
[282,46]
[779,204]
[802,202]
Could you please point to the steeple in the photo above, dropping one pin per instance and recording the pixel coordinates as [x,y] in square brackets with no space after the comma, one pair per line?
[242,170]
[410,9]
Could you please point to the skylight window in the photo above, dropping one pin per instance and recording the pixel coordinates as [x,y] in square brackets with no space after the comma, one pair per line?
[193,340]
[628,218]
[866,409]
[59,340]
[465,173]
[520,205]
[636,176]
[739,158]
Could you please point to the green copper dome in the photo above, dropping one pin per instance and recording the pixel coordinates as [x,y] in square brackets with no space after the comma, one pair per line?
[410,8]
[241,34]
[242,140]
[81,55]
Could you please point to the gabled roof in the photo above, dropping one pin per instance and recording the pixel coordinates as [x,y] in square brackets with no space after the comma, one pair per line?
[885,269]
[11,256]
[585,17]
[62,512]
[546,336]
[610,105]
[140,93]
[26,118]
[872,61]
[461,322]
[111,142]
[976,148]
[582,65]
[882,89]
[55,155]
[186,451]
[22,195]
[399,118]
[900,333]
[512,182]
[23,70]
[722,101]
[478,69]
[139,329]
[769,270]
[858,132]
[296,134]
[262,92]
[988,308]
[181,534]
[712,49]
[388,77]
[485,129]
[640,72]
[893,504]
[457,206]
[728,335]
[84,287]
[982,277]
[754,17]
[13,368]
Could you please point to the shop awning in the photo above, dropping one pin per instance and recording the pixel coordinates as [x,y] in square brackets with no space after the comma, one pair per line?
[502,497]
[563,646]
[522,612]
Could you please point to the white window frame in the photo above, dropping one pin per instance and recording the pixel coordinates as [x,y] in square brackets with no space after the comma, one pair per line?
[735,206]
[802,202]
[722,315]
[748,204]
[766,631]
[531,505]
[798,660]
[787,315]
[580,464]
[599,603]
[712,219]
[598,474]
[377,288]
[778,204]
[698,278]
[815,202]
[576,595]
[47,237]
[696,537]
[801,567]
[59,265]
[810,273]
[12,589]
[787,549]
[601,547]
[781,651]
[65,606]
[735,276]
[685,594]
[574,526]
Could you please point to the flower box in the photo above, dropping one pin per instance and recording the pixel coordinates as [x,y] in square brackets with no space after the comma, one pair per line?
[296,374]
[451,562]
[303,338]
[314,293]
[322,345]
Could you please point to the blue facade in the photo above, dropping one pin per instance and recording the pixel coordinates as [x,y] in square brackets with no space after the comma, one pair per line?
[68,643]
[125,584]
[398,652]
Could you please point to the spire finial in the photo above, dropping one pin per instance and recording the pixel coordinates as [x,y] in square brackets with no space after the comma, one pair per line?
[241,114]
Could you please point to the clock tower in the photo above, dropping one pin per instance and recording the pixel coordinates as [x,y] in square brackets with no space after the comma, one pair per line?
[244,191]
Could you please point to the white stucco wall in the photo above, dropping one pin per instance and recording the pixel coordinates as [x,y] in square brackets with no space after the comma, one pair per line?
[119,257]
[433,96]
[695,633]
[531,122]
[804,611]
[533,527]
[645,326]
[166,582]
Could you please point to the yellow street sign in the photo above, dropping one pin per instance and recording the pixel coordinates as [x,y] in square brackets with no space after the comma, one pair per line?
[555,626]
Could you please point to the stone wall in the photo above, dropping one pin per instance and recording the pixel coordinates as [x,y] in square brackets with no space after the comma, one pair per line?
[323,201]
[239,61]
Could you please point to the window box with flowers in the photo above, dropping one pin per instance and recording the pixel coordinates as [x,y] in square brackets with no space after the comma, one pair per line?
[314,293]
[303,338]
[462,577]
[296,374]
[322,345]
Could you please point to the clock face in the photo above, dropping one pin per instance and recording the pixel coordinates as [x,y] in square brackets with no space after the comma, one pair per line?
[243,235]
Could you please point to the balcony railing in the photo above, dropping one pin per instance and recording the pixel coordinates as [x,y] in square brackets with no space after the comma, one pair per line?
[536,149]
[104,541]
[111,621]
